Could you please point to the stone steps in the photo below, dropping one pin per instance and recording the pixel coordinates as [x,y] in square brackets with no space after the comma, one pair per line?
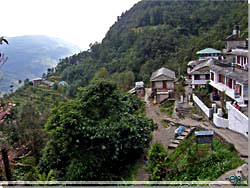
[184,133]
[173,146]
[180,137]
[176,141]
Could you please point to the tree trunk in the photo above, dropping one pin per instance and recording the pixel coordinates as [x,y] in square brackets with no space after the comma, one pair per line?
[6,164]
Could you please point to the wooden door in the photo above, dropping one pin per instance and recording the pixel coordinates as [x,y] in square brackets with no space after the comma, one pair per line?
[164,86]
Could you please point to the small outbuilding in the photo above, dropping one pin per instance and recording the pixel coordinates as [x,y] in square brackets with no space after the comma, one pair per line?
[139,89]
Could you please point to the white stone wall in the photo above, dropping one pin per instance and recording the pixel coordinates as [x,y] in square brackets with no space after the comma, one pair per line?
[220,122]
[203,107]
[238,121]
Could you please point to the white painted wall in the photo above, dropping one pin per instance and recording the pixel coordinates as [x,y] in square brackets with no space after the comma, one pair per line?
[203,107]
[220,122]
[229,91]
[158,84]
[199,82]
[238,121]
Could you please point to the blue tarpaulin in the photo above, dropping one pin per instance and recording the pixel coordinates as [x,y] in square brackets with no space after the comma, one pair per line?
[179,130]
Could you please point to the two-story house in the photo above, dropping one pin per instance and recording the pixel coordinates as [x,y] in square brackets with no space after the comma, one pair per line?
[162,82]
[198,70]
[225,77]
[200,74]
[231,75]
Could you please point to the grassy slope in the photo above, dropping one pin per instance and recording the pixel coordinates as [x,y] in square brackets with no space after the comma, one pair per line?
[189,164]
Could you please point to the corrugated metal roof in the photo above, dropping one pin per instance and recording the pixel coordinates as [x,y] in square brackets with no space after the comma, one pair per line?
[209,51]
[204,133]
[162,71]
[139,84]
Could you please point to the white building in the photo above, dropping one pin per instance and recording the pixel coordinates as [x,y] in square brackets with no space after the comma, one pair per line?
[200,74]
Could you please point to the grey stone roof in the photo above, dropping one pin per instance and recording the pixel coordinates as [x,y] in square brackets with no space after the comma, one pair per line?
[200,66]
[240,53]
[226,70]
[233,38]
[162,71]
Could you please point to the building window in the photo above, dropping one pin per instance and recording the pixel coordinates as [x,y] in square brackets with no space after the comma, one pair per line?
[221,79]
[234,84]
[197,77]
[238,89]
[230,83]
[212,76]
[202,77]
[238,59]
[207,76]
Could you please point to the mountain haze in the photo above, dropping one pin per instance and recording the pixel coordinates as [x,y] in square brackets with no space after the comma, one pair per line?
[30,56]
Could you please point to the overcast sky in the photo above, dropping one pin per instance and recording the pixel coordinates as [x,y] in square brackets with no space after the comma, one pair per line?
[80,22]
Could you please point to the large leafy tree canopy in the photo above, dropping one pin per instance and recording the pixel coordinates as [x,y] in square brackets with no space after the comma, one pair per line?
[94,136]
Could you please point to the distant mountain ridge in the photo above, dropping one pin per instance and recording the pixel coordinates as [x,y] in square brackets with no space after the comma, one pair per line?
[29,56]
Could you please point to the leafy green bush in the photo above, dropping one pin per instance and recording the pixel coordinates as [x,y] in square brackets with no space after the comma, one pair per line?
[156,163]
[203,94]
[167,107]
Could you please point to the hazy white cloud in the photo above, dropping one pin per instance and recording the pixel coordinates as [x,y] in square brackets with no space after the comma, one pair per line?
[80,22]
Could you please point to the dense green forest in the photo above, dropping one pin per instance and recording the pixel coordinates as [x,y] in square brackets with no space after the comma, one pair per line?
[154,34]
[63,126]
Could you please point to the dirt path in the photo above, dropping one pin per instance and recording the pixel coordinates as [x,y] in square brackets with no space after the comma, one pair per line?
[162,134]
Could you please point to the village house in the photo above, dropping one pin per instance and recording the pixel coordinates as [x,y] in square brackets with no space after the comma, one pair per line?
[229,75]
[37,81]
[208,53]
[200,74]
[162,82]
[225,77]
[198,70]
[234,40]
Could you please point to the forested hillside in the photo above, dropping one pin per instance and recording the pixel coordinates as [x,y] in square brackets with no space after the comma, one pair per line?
[90,129]
[154,34]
